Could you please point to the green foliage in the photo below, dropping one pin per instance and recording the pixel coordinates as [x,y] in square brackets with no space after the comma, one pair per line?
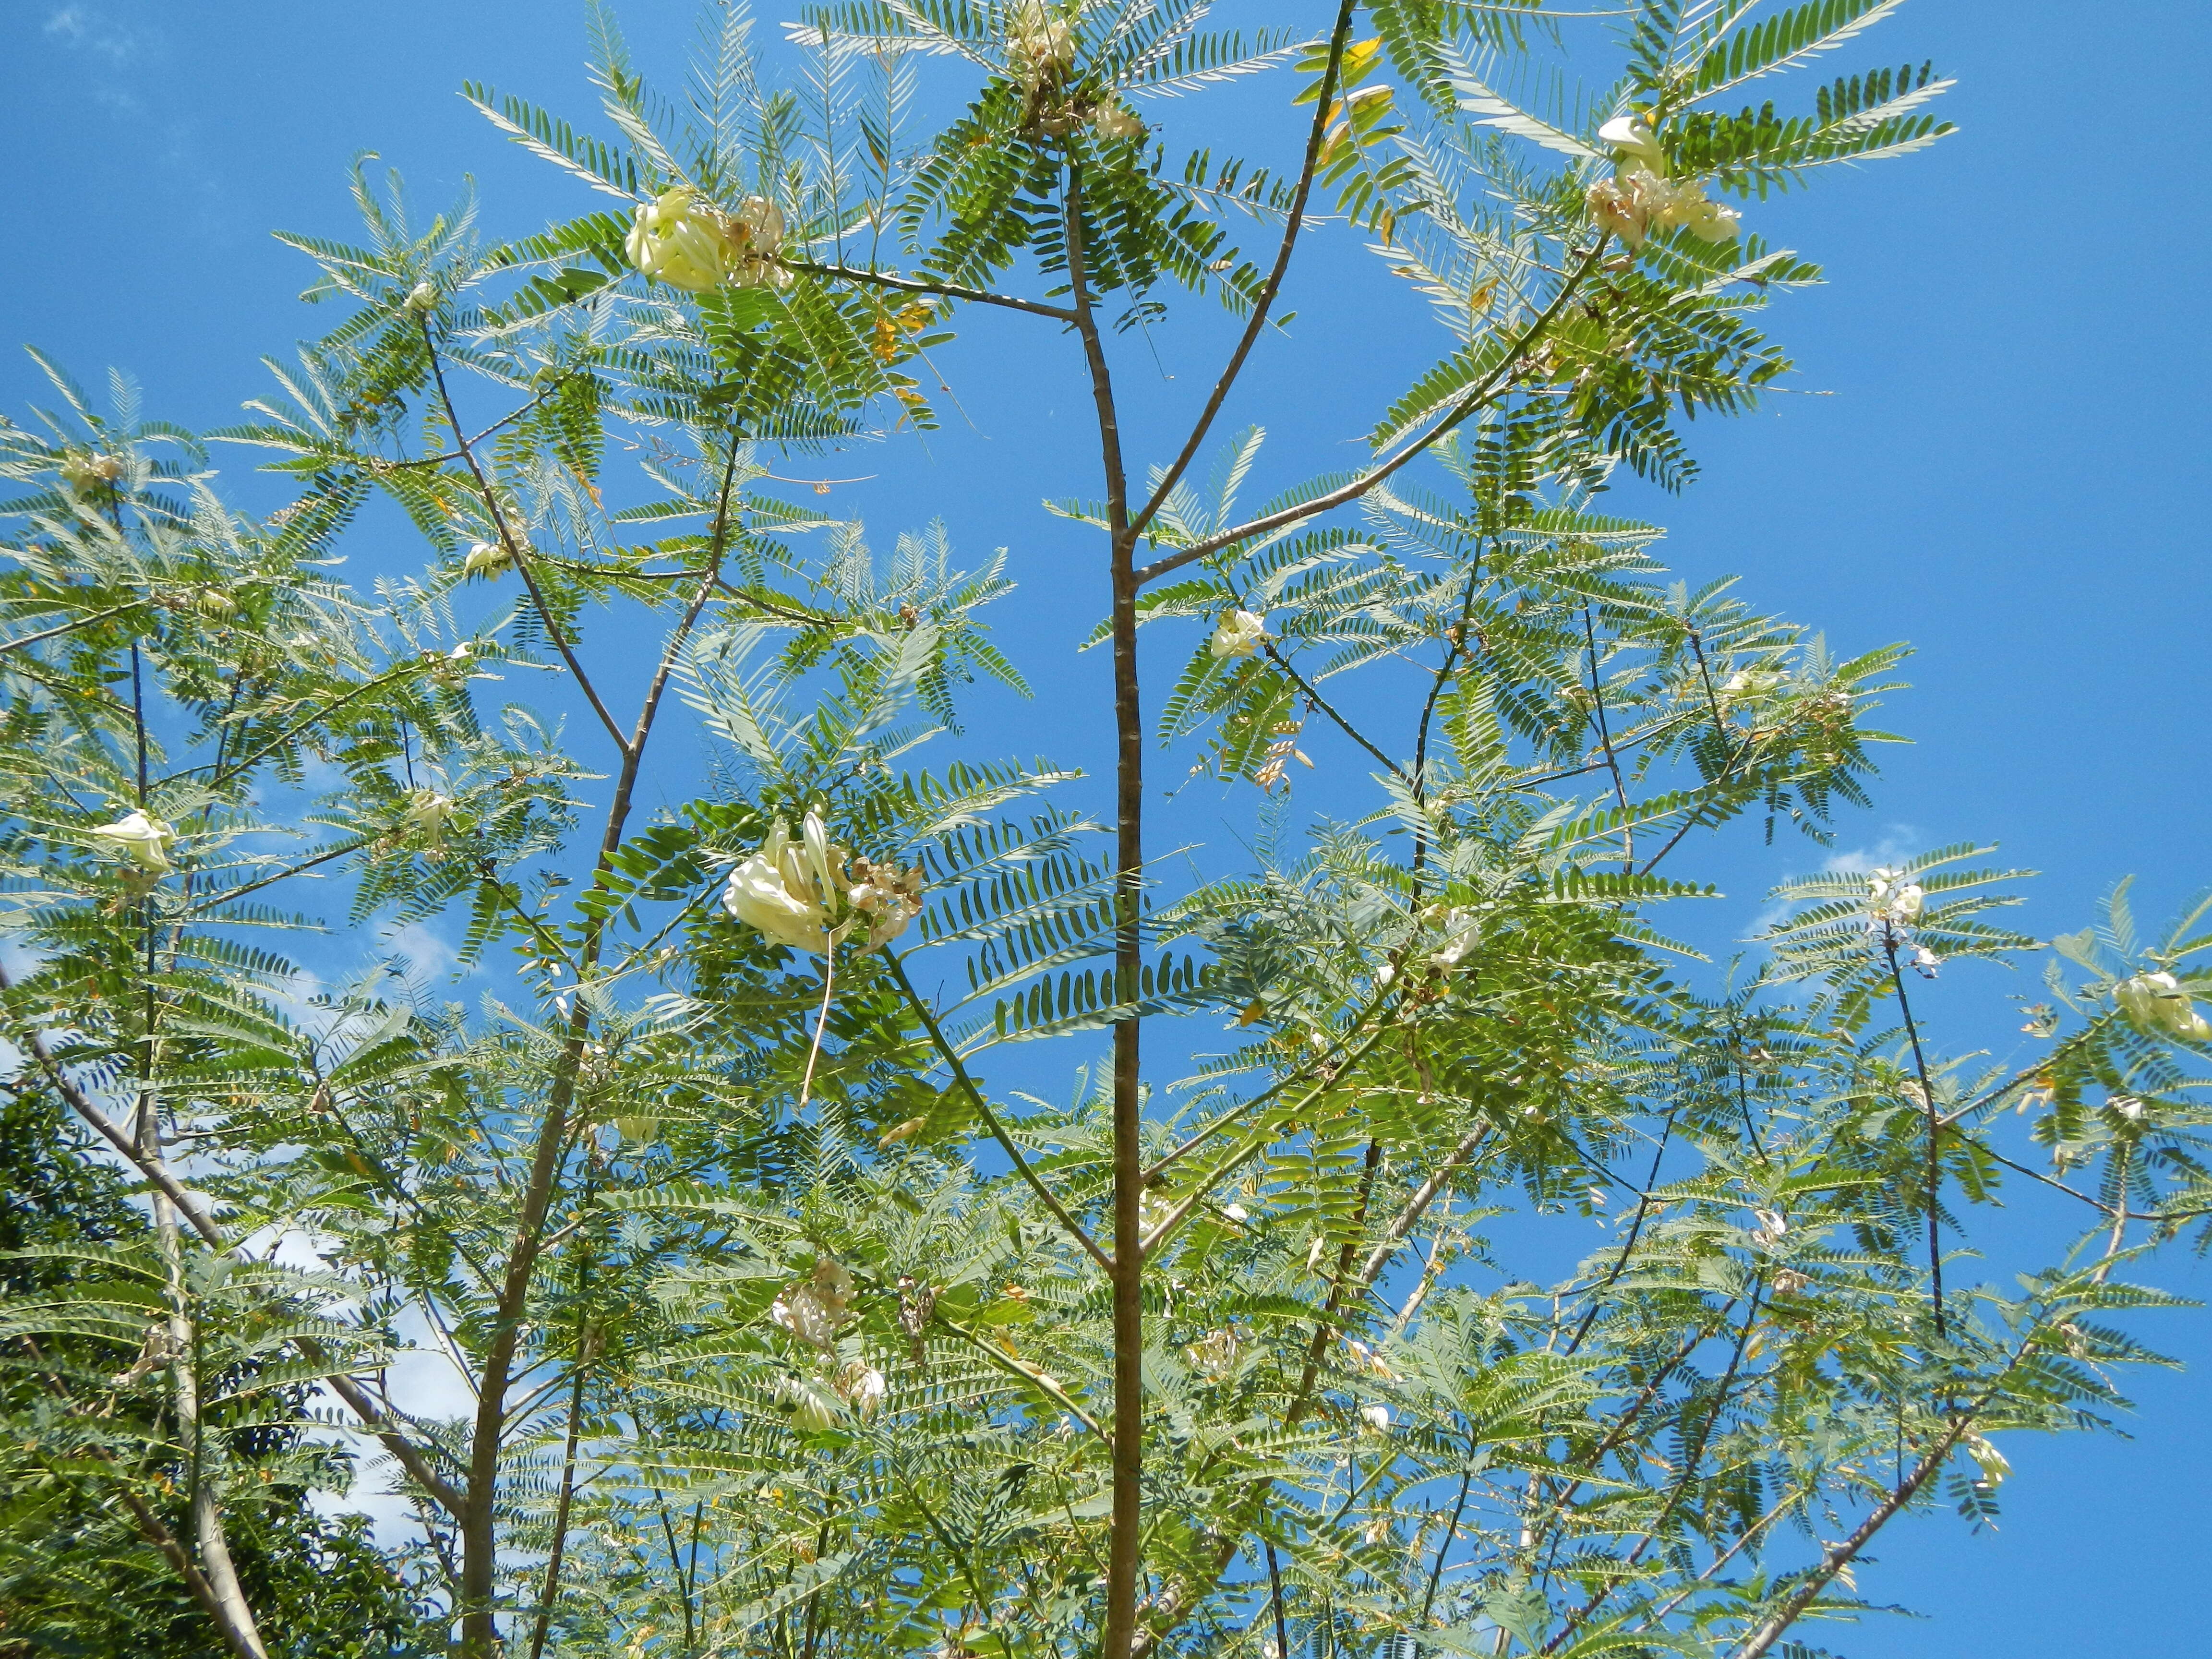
[775,1328]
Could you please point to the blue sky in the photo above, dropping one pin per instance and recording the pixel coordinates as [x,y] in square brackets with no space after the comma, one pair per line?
[1995,449]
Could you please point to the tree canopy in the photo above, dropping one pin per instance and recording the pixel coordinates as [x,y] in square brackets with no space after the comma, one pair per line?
[789,1326]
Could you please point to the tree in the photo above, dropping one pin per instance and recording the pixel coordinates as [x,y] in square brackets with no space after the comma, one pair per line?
[787,1331]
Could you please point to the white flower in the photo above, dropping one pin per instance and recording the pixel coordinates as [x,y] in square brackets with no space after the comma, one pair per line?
[485,559]
[1117,120]
[1239,635]
[141,840]
[428,813]
[2156,1000]
[1236,1212]
[813,1309]
[812,1408]
[1751,682]
[1463,932]
[679,242]
[1708,221]
[1893,901]
[1772,1226]
[863,1387]
[1635,143]
[692,244]
[785,888]
[1375,1420]
[1788,1282]
[422,298]
[84,472]
[1638,201]
[2128,1106]
[1040,44]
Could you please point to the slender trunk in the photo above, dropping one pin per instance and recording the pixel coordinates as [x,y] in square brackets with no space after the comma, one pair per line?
[479,1521]
[226,1595]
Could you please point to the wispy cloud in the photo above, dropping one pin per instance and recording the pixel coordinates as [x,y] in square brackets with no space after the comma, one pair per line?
[93,30]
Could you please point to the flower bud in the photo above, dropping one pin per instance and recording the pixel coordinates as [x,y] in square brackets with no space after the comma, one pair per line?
[422,299]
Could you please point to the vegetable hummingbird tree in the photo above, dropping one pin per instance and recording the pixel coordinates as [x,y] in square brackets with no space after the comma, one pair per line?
[779,1326]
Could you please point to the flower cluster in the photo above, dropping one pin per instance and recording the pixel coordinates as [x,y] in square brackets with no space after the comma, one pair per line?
[88,473]
[1241,634]
[810,894]
[1040,44]
[2158,1002]
[1640,198]
[1893,905]
[813,1311]
[693,245]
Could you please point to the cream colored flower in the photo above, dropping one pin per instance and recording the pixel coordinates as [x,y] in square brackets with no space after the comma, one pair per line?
[1375,1420]
[1893,900]
[678,241]
[810,894]
[428,814]
[785,888]
[690,244]
[422,298]
[143,841]
[1241,634]
[2158,1002]
[812,1310]
[485,559]
[1709,221]
[812,1408]
[1634,144]
[1115,121]
[863,1387]
[1040,44]
[1462,931]
[83,473]
[1638,201]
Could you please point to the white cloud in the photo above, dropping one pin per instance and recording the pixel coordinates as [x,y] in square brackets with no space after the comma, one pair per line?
[94,31]
[428,954]
[1902,841]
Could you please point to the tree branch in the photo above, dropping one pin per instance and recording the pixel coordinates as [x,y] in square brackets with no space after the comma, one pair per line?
[1412,451]
[1274,284]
